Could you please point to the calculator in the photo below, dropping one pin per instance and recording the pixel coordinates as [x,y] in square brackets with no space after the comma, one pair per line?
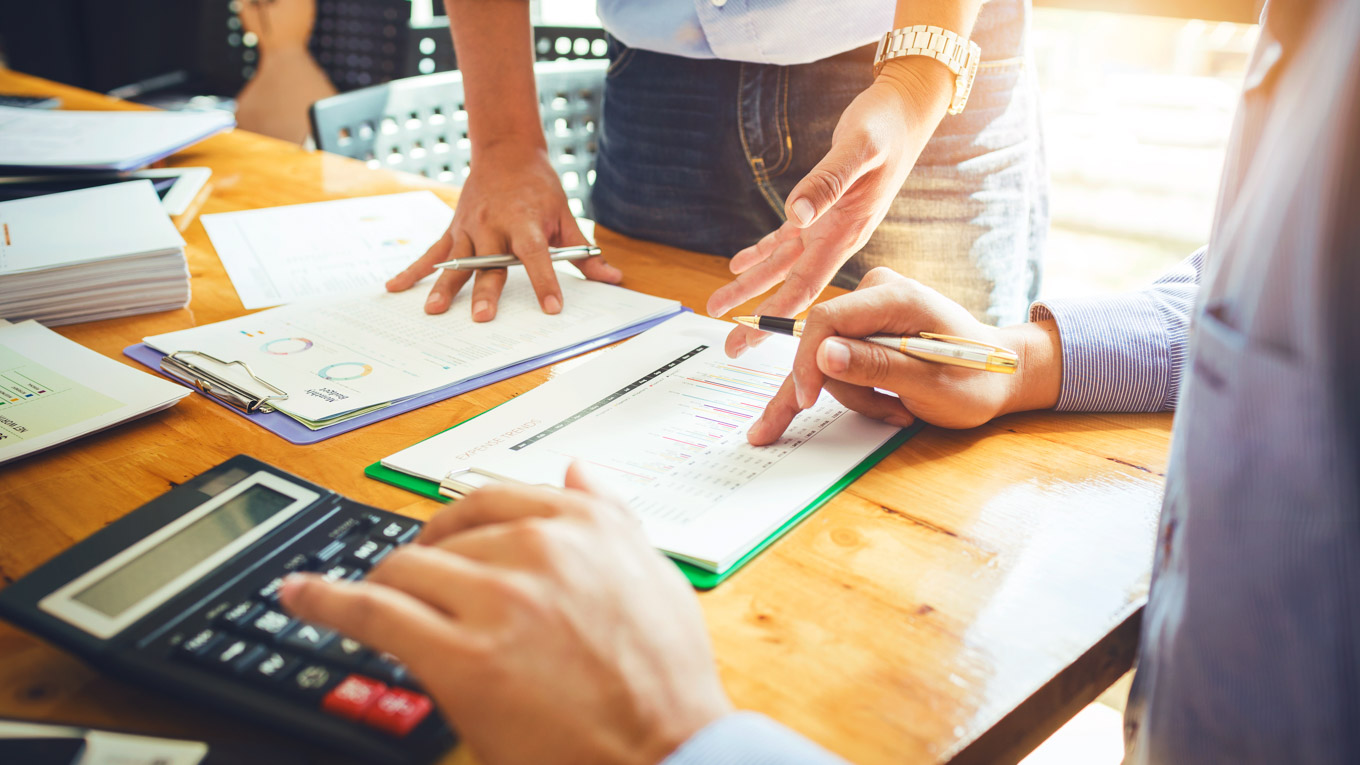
[182,594]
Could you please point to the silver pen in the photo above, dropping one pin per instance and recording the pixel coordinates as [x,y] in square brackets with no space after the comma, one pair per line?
[578,252]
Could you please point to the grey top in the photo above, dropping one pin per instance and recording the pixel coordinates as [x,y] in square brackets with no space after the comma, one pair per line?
[1250,650]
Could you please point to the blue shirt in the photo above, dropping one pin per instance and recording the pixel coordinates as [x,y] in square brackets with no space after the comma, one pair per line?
[758,31]
[1250,649]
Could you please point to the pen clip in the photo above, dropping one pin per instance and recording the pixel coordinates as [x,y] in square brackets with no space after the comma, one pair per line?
[966,341]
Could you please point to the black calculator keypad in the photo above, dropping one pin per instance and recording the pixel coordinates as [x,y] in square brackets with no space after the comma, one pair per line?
[274,667]
[307,638]
[250,636]
[270,624]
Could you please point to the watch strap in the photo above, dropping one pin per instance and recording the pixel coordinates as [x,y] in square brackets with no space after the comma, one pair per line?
[959,55]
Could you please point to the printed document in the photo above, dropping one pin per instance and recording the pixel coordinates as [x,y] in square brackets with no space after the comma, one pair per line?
[53,390]
[663,418]
[104,140]
[279,255]
[338,357]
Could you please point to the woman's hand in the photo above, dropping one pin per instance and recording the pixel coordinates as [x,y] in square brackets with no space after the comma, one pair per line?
[544,625]
[513,202]
[833,211]
[854,371]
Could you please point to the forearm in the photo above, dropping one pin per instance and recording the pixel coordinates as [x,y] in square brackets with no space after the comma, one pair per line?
[926,85]
[494,43]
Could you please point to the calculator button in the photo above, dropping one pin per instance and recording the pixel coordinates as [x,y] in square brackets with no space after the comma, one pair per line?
[325,555]
[341,572]
[346,651]
[386,668]
[275,667]
[370,553]
[307,638]
[270,592]
[313,681]
[398,712]
[200,642]
[271,624]
[241,614]
[353,697]
[234,656]
[396,531]
[296,563]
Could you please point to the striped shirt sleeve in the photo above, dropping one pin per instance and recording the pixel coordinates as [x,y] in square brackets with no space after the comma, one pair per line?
[1126,353]
[746,738]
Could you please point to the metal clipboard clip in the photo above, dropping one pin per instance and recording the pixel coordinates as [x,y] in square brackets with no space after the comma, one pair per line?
[213,384]
[460,483]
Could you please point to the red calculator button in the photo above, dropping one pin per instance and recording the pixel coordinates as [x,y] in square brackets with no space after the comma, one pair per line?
[353,696]
[398,712]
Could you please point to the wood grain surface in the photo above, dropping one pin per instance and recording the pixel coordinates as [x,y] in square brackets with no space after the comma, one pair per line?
[957,603]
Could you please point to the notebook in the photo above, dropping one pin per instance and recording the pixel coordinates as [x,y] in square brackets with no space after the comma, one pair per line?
[663,418]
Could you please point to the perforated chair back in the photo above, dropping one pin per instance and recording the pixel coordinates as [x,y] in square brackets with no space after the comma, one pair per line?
[419,125]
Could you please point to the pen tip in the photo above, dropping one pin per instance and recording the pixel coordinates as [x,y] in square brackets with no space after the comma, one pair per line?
[747,321]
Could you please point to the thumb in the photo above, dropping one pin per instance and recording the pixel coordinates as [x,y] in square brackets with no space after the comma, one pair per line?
[823,187]
[860,363]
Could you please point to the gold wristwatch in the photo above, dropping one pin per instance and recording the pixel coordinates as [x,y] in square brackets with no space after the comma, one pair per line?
[960,55]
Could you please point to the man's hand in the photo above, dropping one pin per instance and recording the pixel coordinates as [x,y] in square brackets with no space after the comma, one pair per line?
[545,626]
[512,203]
[833,211]
[854,371]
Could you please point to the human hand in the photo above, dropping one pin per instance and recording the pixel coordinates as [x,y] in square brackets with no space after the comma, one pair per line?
[545,626]
[512,203]
[941,394]
[834,210]
[279,25]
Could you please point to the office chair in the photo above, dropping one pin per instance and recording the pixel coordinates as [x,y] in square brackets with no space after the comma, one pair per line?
[419,125]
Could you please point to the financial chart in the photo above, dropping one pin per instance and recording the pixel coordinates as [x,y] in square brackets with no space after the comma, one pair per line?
[692,452]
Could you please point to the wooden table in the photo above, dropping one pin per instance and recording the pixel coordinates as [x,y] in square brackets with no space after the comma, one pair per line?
[957,603]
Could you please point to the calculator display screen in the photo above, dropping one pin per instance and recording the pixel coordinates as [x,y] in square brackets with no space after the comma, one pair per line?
[148,572]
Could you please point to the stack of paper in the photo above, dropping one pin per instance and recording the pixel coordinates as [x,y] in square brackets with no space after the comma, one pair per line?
[100,140]
[53,390]
[91,254]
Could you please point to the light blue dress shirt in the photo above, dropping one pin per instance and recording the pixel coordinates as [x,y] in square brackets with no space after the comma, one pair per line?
[1250,648]
[758,31]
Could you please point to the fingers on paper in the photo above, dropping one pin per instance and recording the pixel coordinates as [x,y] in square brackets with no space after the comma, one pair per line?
[530,245]
[449,281]
[424,265]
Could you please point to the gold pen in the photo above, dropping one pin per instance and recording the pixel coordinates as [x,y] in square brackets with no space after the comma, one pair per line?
[930,346]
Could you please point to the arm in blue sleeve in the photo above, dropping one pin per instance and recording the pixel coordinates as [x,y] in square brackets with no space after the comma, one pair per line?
[1126,353]
[746,738]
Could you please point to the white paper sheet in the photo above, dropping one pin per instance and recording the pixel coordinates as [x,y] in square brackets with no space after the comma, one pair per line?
[338,355]
[664,417]
[53,390]
[107,140]
[282,254]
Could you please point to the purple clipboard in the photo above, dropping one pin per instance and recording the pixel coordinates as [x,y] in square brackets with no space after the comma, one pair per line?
[295,432]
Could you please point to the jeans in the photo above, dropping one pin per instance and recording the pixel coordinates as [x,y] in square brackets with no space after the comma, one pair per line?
[701,153]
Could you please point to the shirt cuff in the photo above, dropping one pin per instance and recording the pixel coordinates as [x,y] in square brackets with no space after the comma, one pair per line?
[1116,353]
[746,738]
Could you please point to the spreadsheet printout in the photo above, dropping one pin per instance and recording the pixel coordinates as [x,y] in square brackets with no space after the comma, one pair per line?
[663,419]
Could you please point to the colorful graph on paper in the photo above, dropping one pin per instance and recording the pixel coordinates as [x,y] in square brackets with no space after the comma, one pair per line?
[693,450]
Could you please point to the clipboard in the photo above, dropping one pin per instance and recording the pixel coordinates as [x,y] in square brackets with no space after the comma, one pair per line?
[189,368]
[701,579]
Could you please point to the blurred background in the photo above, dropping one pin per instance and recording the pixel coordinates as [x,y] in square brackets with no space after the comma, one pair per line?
[1138,102]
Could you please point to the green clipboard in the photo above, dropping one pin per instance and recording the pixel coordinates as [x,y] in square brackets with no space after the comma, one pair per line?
[702,579]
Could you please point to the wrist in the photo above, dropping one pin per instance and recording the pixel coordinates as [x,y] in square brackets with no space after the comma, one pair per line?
[924,85]
[1037,381]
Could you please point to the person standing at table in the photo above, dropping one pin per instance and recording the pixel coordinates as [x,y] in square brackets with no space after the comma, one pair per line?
[724,118]
[549,632]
